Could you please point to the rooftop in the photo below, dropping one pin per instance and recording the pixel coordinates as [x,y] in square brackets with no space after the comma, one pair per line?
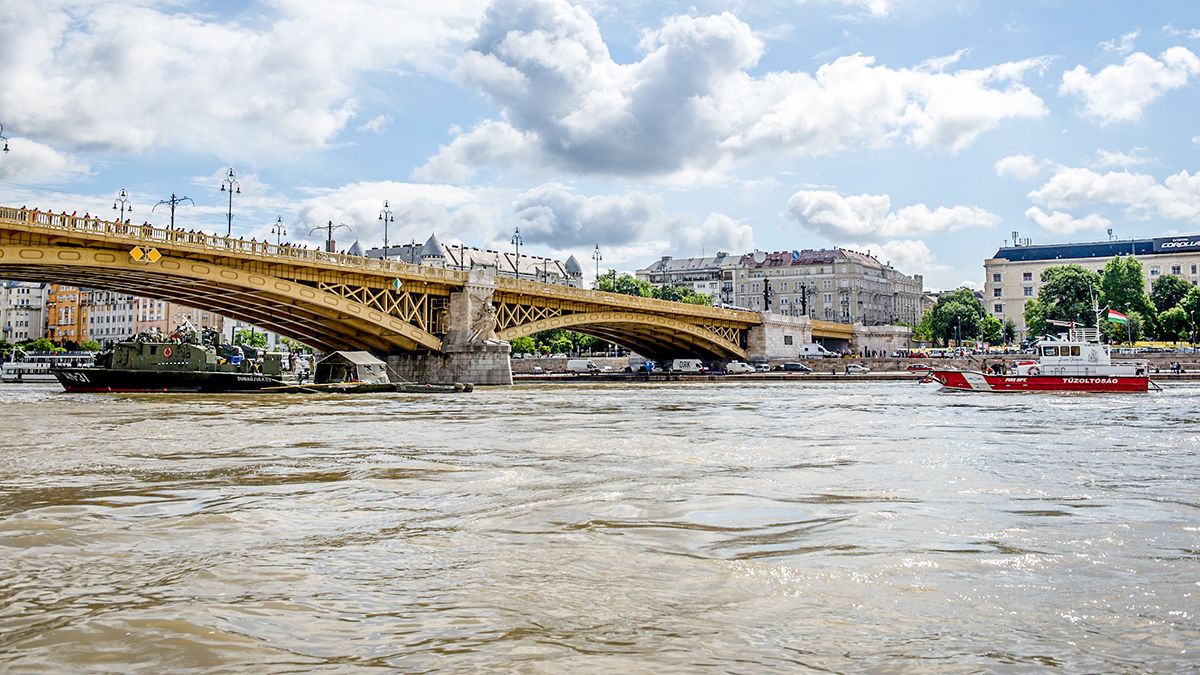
[1100,249]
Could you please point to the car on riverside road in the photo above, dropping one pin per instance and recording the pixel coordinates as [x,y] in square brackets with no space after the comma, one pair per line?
[919,366]
[856,369]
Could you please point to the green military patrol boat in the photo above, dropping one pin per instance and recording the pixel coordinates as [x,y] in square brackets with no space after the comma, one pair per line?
[190,360]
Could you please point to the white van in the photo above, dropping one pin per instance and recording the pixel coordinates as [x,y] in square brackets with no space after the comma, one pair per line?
[688,366]
[582,366]
[738,367]
[814,350]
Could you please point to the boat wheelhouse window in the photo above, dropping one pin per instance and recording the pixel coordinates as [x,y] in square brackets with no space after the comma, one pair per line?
[153,350]
[1049,351]
[1075,350]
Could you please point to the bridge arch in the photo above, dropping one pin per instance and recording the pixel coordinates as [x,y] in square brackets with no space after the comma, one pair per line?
[647,334]
[322,319]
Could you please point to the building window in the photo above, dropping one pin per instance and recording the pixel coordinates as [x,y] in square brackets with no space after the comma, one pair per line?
[1154,271]
[1176,269]
[1029,291]
[1028,276]
[996,278]
[1193,269]
[996,292]
[787,339]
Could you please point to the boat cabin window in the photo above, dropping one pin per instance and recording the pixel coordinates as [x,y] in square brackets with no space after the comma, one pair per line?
[1049,351]
[154,349]
[1075,350]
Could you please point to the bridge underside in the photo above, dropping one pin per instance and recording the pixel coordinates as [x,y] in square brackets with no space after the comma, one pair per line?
[655,337]
[323,320]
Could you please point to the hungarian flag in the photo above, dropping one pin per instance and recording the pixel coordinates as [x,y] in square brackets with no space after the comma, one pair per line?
[1117,317]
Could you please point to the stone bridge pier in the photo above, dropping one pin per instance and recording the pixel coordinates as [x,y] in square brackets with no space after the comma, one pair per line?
[470,350]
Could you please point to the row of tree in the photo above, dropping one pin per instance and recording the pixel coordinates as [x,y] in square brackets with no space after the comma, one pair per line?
[559,341]
[44,345]
[1072,293]
[1169,312]
[628,284]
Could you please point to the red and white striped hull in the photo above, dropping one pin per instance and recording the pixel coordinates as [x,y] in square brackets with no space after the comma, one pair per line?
[973,380]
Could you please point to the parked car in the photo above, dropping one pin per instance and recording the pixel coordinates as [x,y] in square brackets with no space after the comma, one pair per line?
[919,366]
[855,369]
[796,368]
[762,367]
[537,370]
[738,367]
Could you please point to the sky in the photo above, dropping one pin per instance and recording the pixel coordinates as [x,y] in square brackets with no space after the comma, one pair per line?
[922,131]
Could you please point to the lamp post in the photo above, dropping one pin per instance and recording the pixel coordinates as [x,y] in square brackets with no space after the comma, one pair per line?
[123,200]
[329,228]
[767,295]
[4,138]
[385,216]
[597,257]
[230,185]
[278,229]
[173,201]
[516,242]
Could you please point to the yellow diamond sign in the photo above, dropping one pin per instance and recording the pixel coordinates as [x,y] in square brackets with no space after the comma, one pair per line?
[153,255]
[137,253]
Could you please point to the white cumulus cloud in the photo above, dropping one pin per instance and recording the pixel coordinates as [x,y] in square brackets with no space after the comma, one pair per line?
[691,102]
[1120,93]
[1064,223]
[1106,159]
[133,77]
[867,216]
[1021,167]
[1141,195]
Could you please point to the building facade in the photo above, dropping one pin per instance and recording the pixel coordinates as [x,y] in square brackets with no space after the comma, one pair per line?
[711,275]
[460,257]
[22,310]
[836,285]
[160,316]
[64,320]
[106,316]
[1013,276]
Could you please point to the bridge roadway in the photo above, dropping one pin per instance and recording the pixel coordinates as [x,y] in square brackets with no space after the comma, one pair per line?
[337,301]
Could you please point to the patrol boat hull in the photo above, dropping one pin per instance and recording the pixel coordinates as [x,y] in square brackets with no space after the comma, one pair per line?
[126,380]
[972,380]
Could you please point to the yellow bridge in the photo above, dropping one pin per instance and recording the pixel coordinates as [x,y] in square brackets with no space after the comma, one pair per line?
[338,301]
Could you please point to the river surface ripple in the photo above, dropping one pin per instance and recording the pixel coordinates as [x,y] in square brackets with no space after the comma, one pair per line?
[753,527]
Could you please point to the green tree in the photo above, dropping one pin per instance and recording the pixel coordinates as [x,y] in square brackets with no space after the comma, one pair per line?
[1035,317]
[1191,307]
[956,313]
[1167,291]
[992,330]
[923,331]
[1069,293]
[294,345]
[40,345]
[250,338]
[1131,332]
[1009,334]
[523,345]
[1174,324]
[682,294]
[625,284]
[90,346]
[1124,289]
[561,345]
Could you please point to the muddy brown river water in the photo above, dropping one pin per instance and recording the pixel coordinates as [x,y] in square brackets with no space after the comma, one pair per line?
[755,527]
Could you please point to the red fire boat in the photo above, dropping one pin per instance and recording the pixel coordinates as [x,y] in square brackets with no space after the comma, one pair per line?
[1077,362]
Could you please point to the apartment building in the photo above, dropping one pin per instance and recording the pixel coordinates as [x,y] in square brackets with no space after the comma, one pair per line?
[22,310]
[1013,276]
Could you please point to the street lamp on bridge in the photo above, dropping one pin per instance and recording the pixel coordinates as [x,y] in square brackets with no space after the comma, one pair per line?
[597,257]
[386,216]
[123,200]
[173,201]
[516,242]
[329,228]
[278,229]
[230,185]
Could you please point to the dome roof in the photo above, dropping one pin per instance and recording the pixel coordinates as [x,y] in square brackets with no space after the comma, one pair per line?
[433,248]
[572,266]
[356,248]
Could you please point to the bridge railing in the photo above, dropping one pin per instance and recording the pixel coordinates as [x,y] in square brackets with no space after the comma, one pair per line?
[146,234]
[624,301]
